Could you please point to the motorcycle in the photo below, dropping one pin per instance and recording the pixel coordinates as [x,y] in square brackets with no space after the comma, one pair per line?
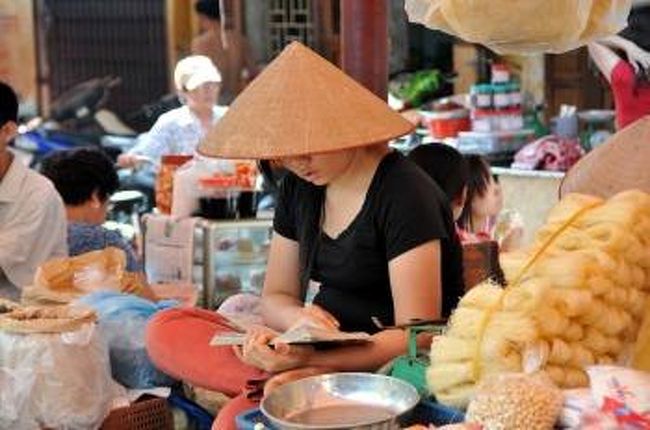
[77,119]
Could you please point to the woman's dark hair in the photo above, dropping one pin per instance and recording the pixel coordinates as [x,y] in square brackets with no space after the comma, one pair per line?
[8,104]
[270,180]
[445,165]
[78,173]
[309,233]
[478,180]
[638,27]
[209,8]
[638,32]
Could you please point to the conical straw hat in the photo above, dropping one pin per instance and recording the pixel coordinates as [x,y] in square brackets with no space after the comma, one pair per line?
[301,104]
[621,163]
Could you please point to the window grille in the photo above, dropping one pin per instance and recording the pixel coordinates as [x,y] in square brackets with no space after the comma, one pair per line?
[290,20]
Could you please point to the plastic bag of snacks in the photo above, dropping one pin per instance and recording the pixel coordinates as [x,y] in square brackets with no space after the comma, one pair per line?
[62,280]
[623,394]
[577,402]
[122,320]
[186,191]
[516,401]
[523,27]
[165,180]
[54,370]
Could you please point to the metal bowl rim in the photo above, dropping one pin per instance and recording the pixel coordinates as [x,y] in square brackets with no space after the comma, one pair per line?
[325,376]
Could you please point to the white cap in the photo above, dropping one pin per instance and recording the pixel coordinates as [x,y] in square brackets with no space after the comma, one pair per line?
[194,71]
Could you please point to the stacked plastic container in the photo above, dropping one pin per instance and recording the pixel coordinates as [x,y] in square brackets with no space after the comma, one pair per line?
[496,106]
[496,117]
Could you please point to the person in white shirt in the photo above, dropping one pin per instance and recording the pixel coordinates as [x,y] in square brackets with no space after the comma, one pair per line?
[32,215]
[179,131]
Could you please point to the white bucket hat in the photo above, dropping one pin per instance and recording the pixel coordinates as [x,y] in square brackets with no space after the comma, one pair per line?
[194,71]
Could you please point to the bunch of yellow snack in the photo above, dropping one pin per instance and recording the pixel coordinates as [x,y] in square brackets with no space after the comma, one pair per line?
[576,297]
[542,25]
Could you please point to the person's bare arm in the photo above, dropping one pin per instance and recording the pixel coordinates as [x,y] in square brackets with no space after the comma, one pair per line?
[416,285]
[281,302]
[604,57]
[636,56]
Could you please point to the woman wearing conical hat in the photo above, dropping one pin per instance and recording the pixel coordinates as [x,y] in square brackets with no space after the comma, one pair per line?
[620,164]
[363,223]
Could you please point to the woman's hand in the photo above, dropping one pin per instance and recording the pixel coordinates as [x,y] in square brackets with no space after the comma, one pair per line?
[127,161]
[316,316]
[258,352]
[637,57]
[512,240]
[132,161]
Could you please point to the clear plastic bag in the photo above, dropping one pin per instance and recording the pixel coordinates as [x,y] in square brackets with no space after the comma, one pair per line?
[57,381]
[186,193]
[95,276]
[122,320]
[622,392]
[130,364]
[516,401]
[523,27]
[62,280]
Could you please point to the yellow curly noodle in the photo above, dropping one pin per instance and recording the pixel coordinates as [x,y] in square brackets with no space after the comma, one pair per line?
[542,25]
[487,22]
[641,354]
[576,297]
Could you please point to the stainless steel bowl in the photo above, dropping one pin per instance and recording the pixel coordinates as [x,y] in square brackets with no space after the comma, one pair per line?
[340,401]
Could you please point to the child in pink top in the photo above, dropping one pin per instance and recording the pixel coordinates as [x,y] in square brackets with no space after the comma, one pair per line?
[483,205]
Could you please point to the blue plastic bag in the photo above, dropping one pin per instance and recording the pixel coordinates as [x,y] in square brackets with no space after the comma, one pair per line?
[122,320]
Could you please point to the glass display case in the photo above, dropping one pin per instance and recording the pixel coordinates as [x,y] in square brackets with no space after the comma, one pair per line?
[234,256]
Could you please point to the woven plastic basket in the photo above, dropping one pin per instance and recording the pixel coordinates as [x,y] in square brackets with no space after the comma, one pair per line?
[148,414]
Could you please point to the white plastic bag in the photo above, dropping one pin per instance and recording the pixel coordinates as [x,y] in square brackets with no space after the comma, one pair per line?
[622,389]
[62,280]
[95,276]
[186,193]
[122,322]
[523,27]
[57,381]
[577,402]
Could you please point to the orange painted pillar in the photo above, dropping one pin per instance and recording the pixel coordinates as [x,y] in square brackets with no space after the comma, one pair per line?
[364,43]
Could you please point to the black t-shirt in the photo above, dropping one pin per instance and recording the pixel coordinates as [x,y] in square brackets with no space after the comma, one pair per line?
[403,209]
